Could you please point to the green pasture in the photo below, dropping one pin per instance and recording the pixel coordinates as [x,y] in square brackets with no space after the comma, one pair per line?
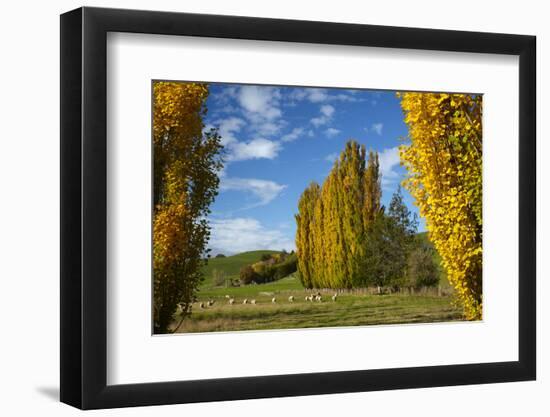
[347,310]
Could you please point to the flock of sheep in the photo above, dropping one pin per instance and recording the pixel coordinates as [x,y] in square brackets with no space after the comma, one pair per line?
[231,300]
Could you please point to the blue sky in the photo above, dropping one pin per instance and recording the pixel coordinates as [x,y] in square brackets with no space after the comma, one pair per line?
[278,140]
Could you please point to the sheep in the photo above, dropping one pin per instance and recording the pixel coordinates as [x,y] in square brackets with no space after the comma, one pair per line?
[318,298]
[253,301]
[273,300]
[306,298]
[291,299]
[231,301]
[210,303]
[334,297]
[227,296]
[245,301]
[201,305]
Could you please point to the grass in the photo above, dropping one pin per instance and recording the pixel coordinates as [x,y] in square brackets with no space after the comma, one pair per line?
[348,310]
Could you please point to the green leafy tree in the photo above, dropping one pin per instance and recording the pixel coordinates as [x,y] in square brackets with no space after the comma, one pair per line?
[422,270]
[390,240]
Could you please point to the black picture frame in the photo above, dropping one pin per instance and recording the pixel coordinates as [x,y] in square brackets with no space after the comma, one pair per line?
[84,207]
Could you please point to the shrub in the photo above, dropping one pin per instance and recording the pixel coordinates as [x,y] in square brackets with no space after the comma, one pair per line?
[269,270]
[287,267]
[265,257]
[248,274]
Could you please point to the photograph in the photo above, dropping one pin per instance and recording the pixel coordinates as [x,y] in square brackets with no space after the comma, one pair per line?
[296,207]
[300,207]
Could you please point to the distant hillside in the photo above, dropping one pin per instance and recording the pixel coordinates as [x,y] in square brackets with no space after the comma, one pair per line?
[231,265]
[423,237]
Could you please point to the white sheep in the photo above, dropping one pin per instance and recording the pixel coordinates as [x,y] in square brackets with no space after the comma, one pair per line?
[253,301]
[201,305]
[273,300]
[231,301]
[291,299]
[210,303]
[245,301]
[334,297]
[227,296]
[318,298]
[306,298]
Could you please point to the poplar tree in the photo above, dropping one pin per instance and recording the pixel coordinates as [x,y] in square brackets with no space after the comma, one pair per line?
[305,232]
[186,163]
[444,162]
[331,221]
[351,189]
[373,188]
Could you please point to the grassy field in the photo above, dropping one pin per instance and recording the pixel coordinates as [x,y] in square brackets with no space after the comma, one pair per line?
[348,310]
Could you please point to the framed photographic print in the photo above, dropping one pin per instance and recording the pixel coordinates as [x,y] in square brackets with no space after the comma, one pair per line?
[257,208]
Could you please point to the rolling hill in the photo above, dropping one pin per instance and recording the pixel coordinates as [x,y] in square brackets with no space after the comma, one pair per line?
[232,264]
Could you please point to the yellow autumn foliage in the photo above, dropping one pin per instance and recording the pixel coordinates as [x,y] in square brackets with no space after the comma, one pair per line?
[444,161]
[186,163]
[333,217]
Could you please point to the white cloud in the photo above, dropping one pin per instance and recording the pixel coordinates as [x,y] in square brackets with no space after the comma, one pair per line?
[377,127]
[255,149]
[260,105]
[331,157]
[230,236]
[298,94]
[319,121]
[346,97]
[264,190]
[389,160]
[227,129]
[226,94]
[239,150]
[260,100]
[331,132]
[323,95]
[316,95]
[292,136]
[261,128]
[327,110]
[310,133]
